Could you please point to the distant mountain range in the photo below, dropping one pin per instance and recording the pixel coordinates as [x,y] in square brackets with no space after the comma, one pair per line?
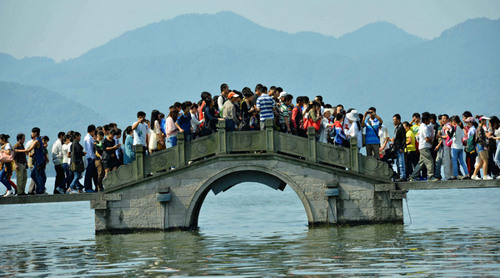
[175,60]
[24,107]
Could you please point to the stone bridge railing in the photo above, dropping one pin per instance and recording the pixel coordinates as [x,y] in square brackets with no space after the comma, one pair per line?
[223,143]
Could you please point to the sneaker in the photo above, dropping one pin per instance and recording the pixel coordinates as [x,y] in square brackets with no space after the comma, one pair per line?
[89,191]
[498,177]
[72,191]
[466,178]
[452,179]
[433,179]
[411,179]
[60,190]
[475,177]
[487,177]
[9,193]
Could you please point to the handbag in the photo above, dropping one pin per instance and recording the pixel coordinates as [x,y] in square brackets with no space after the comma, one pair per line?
[316,124]
[307,123]
[79,168]
[7,158]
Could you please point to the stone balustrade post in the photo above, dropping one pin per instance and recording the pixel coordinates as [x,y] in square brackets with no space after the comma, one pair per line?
[354,154]
[139,162]
[221,138]
[311,142]
[181,150]
[269,130]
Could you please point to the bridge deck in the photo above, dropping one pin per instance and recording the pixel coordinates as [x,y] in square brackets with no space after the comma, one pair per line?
[421,185]
[33,199]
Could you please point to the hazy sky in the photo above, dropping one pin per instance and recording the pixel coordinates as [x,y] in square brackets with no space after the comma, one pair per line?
[63,29]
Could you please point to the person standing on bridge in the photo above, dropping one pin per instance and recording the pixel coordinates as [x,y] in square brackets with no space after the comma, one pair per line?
[229,112]
[495,126]
[128,146]
[425,144]
[39,163]
[57,159]
[247,108]
[399,143]
[21,165]
[6,164]
[265,106]
[183,122]
[446,149]
[372,125]
[223,97]
[457,147]
[109,159]
[91,171]
[77,166]
[482,150]
[140,129]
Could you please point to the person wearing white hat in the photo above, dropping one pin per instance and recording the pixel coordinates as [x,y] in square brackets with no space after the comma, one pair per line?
[355,127]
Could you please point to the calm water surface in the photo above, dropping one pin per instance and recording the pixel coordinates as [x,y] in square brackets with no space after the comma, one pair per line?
[252,230]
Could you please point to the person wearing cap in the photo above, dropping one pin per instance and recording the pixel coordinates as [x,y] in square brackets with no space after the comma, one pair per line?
[399,143]
[482,150]
[229,112]
[355,127]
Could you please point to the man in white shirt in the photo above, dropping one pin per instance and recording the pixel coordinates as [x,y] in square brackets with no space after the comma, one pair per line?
[91,171]
[224,92]
[383,134]
[57,158]
[140,129]
[425,144]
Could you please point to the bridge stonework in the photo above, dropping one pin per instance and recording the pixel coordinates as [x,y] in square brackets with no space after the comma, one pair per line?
[166,190]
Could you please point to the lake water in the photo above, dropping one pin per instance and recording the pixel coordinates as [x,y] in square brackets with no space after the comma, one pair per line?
[252,230]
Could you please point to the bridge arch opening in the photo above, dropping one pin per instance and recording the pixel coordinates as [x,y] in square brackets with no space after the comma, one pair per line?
[250,189]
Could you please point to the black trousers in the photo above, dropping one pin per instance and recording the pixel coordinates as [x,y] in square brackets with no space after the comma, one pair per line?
[60,178]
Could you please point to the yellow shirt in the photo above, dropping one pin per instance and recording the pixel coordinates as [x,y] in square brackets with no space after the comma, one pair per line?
[410,147]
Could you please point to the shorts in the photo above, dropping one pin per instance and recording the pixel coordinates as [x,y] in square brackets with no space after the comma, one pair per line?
[479,148]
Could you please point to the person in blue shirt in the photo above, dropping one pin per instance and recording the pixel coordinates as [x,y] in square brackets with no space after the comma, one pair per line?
[184,121]
[371,123]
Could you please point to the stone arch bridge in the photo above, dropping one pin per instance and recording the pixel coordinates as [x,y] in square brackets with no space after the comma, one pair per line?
[166,190]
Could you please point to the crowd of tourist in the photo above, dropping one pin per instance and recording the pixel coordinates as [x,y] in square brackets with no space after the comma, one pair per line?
[428,147]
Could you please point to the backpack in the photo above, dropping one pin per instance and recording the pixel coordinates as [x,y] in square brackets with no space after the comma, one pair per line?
[471,144]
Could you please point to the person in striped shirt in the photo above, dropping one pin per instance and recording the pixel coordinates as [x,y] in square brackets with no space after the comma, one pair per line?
[265,106]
